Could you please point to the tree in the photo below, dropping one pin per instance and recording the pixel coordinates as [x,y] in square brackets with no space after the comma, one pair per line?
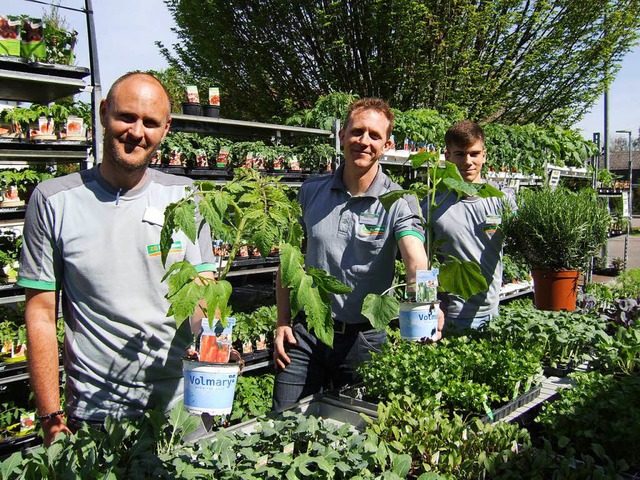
[515,61]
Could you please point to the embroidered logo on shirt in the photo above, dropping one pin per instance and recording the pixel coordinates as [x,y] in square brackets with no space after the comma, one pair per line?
[154,250]
[373,229]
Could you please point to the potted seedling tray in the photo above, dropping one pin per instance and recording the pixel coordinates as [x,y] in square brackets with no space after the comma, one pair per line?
[328,408]
[501,412]
[355,397]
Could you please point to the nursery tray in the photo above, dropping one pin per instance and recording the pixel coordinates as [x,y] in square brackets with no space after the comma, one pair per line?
[501,413]
[562,370]
[321,406]
[355,396]
[9,445]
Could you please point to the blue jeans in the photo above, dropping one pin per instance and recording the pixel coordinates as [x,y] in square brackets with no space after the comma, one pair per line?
[315,366]
[460,324]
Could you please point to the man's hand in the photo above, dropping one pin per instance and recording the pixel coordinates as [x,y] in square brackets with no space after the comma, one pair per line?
[52,427]
[440,324]
[284,337]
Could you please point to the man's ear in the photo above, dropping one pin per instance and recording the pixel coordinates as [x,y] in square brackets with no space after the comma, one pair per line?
[103,112]
[446,155]
[341,136]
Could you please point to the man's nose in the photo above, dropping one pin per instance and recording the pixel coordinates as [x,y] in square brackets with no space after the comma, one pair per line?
[136,129]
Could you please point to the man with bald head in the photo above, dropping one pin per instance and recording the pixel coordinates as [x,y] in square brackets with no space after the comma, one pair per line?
[94,236]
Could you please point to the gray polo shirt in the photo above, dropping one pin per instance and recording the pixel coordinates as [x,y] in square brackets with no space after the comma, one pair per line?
[101,247]
[354,238]
[469,230]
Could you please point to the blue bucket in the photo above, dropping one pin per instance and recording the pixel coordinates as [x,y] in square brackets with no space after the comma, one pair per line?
[419,321]
[209,387]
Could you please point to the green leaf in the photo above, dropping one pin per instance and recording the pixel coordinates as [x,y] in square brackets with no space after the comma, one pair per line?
[460,187]
[185,218]
[487,190]
[184,302]
[216,296]
[380,309]
[419,159]
[328,283]
[401,465]
[464,279]
[388,199]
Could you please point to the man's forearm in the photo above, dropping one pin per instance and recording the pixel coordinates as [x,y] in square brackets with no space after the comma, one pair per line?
[42,357]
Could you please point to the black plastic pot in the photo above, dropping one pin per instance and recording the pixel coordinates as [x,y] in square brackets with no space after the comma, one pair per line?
[212,111]
[191,108]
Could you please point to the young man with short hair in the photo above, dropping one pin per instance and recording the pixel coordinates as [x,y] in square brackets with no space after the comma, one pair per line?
[468,228]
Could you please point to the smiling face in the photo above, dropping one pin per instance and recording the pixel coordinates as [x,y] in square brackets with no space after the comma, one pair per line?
[135,117]
[469,160]
[365,138]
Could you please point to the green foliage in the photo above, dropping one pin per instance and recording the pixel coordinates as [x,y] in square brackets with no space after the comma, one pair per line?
[599,416]
[442,444]
[516,62]
[557,229]
[249,327]
[562,337]
[514,268]
[290,446]
[618,353]
[253,397]
[58,38]
[467,376]
[257,210]
[10,246]
[627,284]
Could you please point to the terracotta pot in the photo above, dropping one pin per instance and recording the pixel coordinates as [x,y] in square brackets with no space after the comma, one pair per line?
[555,290]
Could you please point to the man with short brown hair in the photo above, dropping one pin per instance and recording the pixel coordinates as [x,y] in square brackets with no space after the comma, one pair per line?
[351,236]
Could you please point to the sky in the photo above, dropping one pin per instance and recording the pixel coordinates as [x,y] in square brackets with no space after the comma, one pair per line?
[127,30]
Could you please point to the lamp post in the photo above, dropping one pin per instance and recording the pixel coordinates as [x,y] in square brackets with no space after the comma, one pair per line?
[629,199]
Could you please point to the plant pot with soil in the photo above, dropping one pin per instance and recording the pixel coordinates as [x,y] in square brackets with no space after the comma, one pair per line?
[557,232]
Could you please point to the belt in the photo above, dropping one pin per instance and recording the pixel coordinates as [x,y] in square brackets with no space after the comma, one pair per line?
[339,327]
[350,328]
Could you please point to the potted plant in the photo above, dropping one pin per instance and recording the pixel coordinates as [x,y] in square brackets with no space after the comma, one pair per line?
[253,209]
[461,278]
[557,232]
[10,246]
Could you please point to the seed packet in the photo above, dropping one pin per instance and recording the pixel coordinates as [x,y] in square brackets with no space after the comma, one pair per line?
[214,96]
[32,39]
[427,285]
[192,94]
[223,157]
[215,342]
[10,28]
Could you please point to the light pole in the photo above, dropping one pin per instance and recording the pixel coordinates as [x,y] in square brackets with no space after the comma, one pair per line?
[629,199]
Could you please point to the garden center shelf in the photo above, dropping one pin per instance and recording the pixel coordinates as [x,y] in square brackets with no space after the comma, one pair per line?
[37,82]
[48,151]
[240,128]
[293,178]
[15,372]
[12,213]
[513,290]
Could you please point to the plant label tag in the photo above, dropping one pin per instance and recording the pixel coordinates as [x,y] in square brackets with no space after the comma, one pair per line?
[288,448]
[153,215]
[427,285]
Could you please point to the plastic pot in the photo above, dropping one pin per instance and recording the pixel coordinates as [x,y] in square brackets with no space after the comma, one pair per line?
[212,111]
[419,321]
[191,108]
[555,290]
